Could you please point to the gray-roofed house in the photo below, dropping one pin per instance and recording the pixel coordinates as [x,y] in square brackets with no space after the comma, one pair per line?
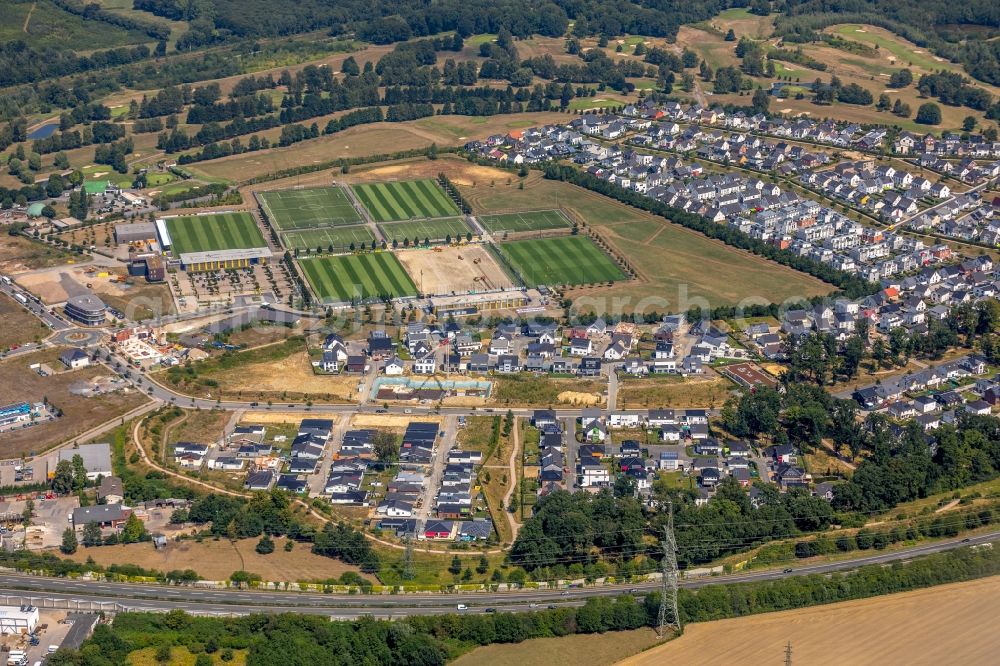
[105,515]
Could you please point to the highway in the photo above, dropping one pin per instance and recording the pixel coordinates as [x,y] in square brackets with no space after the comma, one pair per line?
[237,601]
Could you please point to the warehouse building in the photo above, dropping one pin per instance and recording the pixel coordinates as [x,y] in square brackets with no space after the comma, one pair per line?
[140,232]
[18,619]
[96,459]
[86,309]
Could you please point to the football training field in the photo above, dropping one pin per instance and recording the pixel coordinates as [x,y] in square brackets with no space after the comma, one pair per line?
[218,231]
[433,230]
[309,208]
[531,221]
[338,237]
[560,260]
[357,277]
[405,200]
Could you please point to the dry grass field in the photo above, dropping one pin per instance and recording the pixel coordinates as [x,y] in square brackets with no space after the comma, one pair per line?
[675,266]
[204,426]
[18,254]
[19,325]
[447,270]
[579,650]
[679,269]
[287,378]
[181,656]
[366,140]
[19,382]
[893,629]
[216,560]
[527,390]
[673,392]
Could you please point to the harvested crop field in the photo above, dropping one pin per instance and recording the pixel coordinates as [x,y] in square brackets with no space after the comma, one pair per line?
[417,231]
[405,200]
[218,231]
[892,629]
[447,270]
[309,207]
[561,260]
[216,560]
[357,277]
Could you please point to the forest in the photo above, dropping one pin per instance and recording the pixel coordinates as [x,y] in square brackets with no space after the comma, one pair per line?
[387,21]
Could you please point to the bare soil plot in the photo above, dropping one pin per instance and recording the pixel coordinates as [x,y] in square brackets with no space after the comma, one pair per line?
[18,382]
[19,325]
[892,629]
[270,417]
[216,560]
[388,421]
[454,270]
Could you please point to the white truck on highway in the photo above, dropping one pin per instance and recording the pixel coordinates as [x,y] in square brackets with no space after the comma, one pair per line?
[21,297]
[5,279]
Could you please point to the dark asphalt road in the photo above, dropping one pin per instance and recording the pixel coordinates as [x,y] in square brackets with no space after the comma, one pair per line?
[193,599]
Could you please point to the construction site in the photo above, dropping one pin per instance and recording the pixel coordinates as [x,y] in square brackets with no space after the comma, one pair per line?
[454,270]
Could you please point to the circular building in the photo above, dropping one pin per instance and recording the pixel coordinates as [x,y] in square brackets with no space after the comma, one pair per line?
[87,309]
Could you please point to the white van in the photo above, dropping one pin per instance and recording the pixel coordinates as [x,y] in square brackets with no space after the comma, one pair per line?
[462,607]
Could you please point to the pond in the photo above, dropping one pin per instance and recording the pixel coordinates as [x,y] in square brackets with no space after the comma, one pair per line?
[43,132]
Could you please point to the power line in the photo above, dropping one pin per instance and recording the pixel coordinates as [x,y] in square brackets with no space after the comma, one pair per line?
[408,573]
[670,583]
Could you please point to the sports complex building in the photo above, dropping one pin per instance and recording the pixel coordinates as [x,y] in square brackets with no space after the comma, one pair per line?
[213,241]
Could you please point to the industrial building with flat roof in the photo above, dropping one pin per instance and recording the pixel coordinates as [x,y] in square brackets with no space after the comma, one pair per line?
[86,309]
[15,413]
[18,619]
[96,459]
[139,232]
